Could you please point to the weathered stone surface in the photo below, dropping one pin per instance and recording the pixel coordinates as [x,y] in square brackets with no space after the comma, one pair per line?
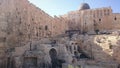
[29,37]
[101,47]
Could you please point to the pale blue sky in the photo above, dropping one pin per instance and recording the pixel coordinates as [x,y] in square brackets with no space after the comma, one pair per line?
[60,7]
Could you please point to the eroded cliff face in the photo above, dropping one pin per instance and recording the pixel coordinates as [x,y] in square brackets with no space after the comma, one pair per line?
[103,48]
[107,48]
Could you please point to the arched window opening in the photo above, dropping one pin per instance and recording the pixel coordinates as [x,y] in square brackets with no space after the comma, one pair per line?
[46,27]
[32,19]
[115,18]
[74,47]
[99,19]
[70,49]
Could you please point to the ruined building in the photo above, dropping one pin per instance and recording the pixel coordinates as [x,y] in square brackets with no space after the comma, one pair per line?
[30,38]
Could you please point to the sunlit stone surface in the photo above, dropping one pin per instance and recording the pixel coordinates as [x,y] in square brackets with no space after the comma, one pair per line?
[30,38]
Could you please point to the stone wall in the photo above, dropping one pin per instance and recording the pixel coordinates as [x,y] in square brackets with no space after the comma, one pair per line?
[90,20]
[22,22]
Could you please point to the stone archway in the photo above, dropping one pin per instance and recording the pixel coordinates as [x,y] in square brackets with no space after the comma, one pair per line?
[53,53]
[53,56]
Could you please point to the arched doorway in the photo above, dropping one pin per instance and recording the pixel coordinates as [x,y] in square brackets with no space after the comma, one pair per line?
[53,55]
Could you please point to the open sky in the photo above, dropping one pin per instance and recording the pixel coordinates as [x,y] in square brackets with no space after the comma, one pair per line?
[60,7]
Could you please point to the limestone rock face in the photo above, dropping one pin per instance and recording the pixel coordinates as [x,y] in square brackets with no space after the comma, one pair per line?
[102,47]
